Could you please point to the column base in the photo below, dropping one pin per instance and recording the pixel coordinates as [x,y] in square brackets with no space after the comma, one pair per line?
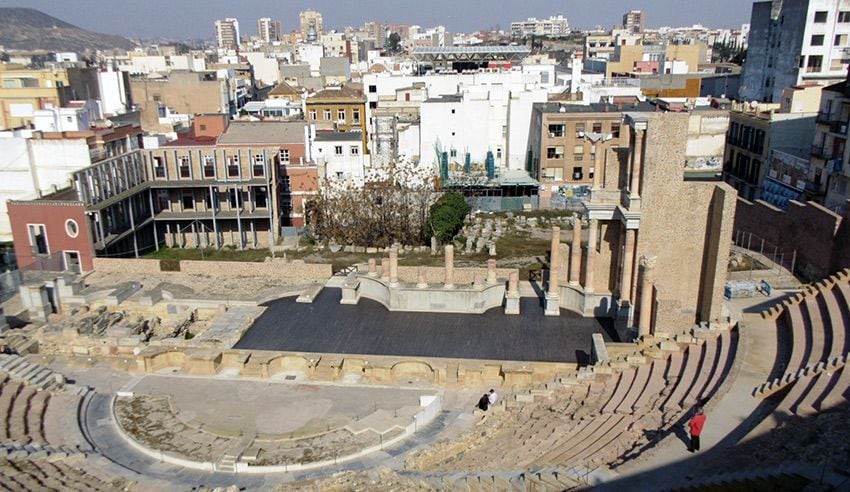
[553,307]
[373,274]
[448,286]
[512,303]
[421,286]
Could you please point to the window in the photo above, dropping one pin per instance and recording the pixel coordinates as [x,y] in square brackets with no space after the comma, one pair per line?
[844,16]
[340,115]
[840,40]
[234,197]
[188,201]
[158,167]
[615,130]
[261,197]
[817,40]
[814,64]
[373,89]
[185,171]
[209,166]
[286,182]
[453,111]
[556,152]
[327,114]
[233,166]
[577,173]
[820,16]
[207,201]
[284,155]
[578,152]
[312,114]
[71,228]
[355,116]
[556,131]
[164,201]
[259,168]
[597,128]
[498,152]
[355,150]
[453,153]
[338,150]
[203,127]
[38,239]
[579,129]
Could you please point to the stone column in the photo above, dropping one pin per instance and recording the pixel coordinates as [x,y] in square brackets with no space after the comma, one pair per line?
[450,267]
[394,265]
[628,264]
[553,280]
[554,258]
[513,283]
[575,252]
[637,166]
[422,277]
[591,256]
[491,271]
[385,268]
[599,169]
[373,269]
[647,264]
[512,295]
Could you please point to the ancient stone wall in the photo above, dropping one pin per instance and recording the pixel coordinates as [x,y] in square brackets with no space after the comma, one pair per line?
[436,275]
[818,235]
[124,265]
[277,268]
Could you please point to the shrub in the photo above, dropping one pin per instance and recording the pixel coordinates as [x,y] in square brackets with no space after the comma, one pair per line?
[447,216]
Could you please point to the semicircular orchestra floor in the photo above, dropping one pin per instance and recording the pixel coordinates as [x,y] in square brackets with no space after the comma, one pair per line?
[326,326]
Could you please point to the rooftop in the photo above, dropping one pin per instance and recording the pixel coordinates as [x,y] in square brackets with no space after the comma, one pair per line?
[338,137]
[265,132]
[462,50]
[554,107]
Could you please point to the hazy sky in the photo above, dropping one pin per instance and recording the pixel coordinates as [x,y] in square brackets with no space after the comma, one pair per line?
[194,18]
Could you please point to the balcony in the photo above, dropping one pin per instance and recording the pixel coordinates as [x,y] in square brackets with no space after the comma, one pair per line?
[822,152]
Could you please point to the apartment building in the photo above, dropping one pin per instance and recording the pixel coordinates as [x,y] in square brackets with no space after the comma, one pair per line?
[792,42]
[24,91]
[755,133]
[567,141]
[553,26]
[268,29]
[173,98]
[338,108]
[227,33]
[226,184]
[829,169]
[634,21]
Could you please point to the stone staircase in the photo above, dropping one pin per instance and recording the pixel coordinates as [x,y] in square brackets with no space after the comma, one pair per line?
[36,375]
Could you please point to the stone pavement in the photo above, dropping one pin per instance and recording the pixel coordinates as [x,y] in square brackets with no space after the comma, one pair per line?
[730,416]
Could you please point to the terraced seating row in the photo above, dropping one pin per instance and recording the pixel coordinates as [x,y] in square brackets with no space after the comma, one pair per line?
[44,475]
[22,412]
[818,321]
[598,423]
[39,377]
[544,479]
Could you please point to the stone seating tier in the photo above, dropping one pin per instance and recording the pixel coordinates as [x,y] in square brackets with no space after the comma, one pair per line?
[45,475]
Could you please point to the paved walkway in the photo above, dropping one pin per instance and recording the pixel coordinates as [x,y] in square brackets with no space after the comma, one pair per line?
[729,419]
[368,328]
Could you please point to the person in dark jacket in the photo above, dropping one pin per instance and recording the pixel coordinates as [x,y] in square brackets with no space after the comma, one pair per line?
[484,402]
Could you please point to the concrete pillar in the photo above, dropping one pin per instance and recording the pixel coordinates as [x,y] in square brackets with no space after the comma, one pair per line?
[394,265]
[512,295]
[575,252]
[422,277]
[385,269]
[591,256]
[563,259]
[647,264]
[491,271]
[373,268]
[637,165]
[450,267]
[628,265]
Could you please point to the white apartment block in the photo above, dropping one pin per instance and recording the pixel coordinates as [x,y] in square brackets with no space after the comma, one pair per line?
[340,157]
[792,42]
[227,33]
[553,26]
[268,30]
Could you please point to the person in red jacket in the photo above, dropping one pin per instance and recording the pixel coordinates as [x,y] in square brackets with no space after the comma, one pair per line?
[695,425]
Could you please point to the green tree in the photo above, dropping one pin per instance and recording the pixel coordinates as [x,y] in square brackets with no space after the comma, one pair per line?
[447,216]
[394,43]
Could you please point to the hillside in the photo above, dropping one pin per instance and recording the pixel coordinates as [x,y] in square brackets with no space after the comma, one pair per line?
[30,29]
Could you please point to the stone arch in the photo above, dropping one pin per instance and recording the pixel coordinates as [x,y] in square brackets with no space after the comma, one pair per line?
[288,363]
[413,369]
[171,358]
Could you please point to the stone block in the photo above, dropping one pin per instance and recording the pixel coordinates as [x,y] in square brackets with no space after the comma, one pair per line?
[524,398]
[669,346]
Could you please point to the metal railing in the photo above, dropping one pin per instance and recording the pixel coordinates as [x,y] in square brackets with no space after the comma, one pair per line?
[771,257]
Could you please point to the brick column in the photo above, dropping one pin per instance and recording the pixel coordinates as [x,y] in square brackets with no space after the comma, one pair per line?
[554,256]
[647,264]
[575,253]
[628,265]
[591,256]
